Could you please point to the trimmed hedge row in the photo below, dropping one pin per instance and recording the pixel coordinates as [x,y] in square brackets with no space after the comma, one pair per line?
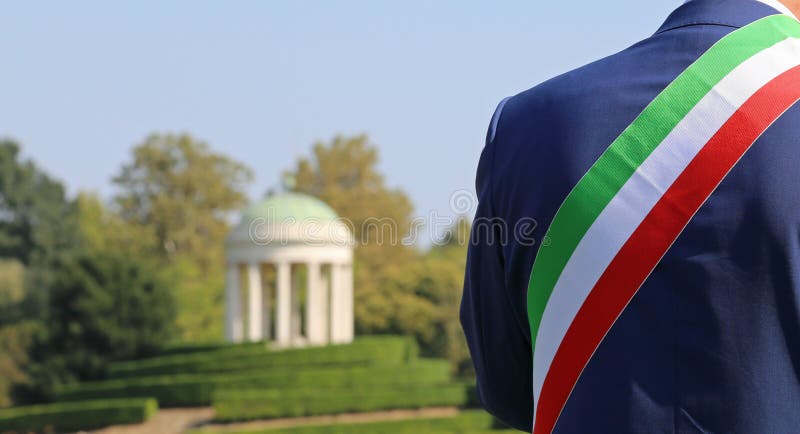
[191,348]
[367,350]
[196,390]
[235,405]
[84,415]
[469,422]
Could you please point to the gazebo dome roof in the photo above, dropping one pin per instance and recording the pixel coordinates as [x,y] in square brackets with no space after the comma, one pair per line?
[284,207]
[287,218]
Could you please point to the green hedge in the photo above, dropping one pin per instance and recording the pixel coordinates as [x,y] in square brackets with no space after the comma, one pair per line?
[77,415]
[182,348]
[469,422]
[226,358]
[237,404]
[197,389]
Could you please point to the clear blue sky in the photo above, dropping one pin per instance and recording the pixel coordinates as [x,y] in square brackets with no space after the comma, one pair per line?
[82,82]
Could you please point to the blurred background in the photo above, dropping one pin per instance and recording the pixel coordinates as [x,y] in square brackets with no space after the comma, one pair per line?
[150,152]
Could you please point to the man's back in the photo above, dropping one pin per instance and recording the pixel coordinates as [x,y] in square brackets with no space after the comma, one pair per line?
[711,340]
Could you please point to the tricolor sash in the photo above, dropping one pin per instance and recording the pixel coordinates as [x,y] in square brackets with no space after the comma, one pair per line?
[627,210]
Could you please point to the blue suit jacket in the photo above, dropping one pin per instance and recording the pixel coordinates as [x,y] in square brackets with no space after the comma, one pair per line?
[711,342]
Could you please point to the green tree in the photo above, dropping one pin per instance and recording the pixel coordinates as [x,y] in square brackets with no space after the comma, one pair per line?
[451,256]
[12,290]
[15,342]
[15,336]
[106,306]
[102,230]
[37,231]
[344,174]
[34,210]
[37,225]
[183,192]
[424,298]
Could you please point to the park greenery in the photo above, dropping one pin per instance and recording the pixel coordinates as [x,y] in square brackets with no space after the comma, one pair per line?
[246,382]
[468,422]
[116,297]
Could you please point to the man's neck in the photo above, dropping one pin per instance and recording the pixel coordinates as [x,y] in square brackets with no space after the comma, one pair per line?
[792,5]
[785,6]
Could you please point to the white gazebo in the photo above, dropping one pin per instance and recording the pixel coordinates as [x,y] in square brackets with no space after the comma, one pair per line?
[290,274]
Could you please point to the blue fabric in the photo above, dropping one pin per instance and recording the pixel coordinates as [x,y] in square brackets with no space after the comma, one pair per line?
[711,342]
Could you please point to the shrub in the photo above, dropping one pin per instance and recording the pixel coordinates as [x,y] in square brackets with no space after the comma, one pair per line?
[77,415]
[104,306]
[225,358]
[185,348]
[468,422]
[232,404]
[197,389]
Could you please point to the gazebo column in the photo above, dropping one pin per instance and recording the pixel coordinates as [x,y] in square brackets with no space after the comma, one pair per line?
[255,303]
[315,306]
[283,304]
[338,304]
[233,309]
[267,291]
[297,314]
[348,322]
[325,308]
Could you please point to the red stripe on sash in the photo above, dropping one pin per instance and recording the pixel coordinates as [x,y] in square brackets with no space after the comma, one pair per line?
[649,243]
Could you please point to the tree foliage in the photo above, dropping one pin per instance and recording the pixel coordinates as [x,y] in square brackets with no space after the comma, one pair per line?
[181,191]
[184,191]
[422,298]
[37,231]
[35,222]
[102,230]
[15,343]
[12,290]
[37,225]
[107,306]
[78,285]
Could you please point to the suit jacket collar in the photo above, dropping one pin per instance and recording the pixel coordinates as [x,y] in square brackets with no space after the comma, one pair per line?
[731,13]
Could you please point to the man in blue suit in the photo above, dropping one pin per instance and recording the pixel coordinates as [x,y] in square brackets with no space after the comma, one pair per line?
[659,291]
